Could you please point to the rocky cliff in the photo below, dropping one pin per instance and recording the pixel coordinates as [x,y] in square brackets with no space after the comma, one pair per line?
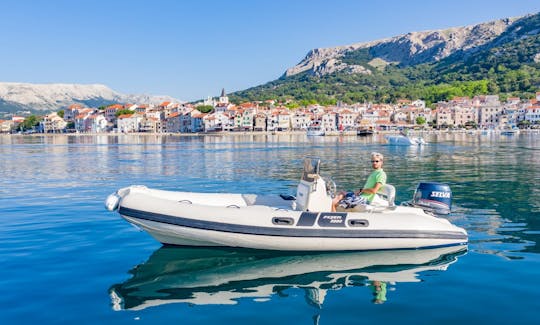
[408,49]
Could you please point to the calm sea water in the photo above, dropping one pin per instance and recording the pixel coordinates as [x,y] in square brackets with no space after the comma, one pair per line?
[65,259]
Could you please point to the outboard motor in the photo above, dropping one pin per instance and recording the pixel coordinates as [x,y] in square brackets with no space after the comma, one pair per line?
[433,197]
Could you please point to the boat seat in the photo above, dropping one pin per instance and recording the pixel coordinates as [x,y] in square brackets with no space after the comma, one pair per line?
[385,197]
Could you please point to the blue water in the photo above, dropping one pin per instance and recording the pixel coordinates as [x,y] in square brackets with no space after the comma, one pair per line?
[65,259]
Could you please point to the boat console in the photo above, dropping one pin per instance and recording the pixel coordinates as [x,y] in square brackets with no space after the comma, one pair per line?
[312,193]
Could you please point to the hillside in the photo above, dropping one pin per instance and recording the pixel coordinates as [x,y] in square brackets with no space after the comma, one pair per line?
[501,56]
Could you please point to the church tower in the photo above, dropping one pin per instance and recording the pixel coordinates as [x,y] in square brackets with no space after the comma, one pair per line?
[223,99]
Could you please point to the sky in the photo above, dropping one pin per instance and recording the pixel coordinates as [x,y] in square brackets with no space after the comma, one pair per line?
[191,49]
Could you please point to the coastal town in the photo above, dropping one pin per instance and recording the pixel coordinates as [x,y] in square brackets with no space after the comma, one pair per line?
[219,115]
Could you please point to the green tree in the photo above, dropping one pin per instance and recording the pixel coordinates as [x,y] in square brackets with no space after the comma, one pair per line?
[471,125]
[60,113]
[524,124]
[123,111]
[420,120]
[292,105]
[30,122]
[204,108]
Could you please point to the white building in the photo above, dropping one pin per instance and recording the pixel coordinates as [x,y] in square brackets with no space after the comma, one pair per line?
[52,123]
[533,114]
[128,123]
[329,121]
[97,123]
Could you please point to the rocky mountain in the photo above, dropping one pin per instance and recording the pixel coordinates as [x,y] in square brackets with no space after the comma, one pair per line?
[405,50]
[501,56]
[46,97]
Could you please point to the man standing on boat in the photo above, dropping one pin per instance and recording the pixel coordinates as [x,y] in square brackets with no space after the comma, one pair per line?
[364,196]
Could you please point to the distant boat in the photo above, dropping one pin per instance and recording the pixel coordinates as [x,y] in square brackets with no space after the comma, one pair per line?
[401,140]
[510,131]
[315,131]
[364,132]
[487,131]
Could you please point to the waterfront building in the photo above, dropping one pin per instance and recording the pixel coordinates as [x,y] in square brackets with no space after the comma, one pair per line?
[243,120]
[347,120]
[401,116]
[185,121]
[6,126]
[81,124]
[489,115]
[151,125]
[301,119]
[197,121]
[465,115]
[173,123]
[283,120]
[259,122]
[329,121]
[110,112]
[532,114]
[383,122]
[71,112]
[96,123]
[209,123]
[445,115]
[128,123]
[272,122]
[369,117]
[52,123]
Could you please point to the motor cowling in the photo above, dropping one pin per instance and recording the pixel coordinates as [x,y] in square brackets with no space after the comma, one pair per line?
[433,197]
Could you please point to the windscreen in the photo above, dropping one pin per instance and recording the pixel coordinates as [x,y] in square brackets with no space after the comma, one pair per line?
[311,168]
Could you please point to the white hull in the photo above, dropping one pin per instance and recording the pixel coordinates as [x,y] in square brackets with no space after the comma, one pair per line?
[314,132]
[249,221]
[400,140]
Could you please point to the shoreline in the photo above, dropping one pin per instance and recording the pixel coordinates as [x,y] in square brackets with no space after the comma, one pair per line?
[244,133]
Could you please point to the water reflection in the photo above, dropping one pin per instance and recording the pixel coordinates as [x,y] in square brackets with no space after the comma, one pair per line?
[222,276]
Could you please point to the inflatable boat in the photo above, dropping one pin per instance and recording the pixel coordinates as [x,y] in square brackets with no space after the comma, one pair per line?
[301,223]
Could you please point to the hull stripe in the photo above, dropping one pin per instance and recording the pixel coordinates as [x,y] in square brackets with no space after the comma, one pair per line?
[288,231]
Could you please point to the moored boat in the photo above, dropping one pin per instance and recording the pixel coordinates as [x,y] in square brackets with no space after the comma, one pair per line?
[301,223]
[402,140]
[314,131]
[364,132]
[510,131]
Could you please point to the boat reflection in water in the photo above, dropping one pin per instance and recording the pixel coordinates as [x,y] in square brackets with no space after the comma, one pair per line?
[222,276]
